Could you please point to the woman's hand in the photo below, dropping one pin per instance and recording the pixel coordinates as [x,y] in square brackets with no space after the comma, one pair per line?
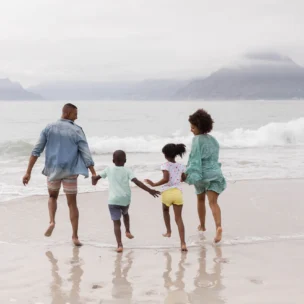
[149,182]
[183,177]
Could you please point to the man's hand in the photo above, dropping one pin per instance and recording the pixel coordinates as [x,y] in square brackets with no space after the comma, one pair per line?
[26,179]
[149,182]
[184,177]
[154,192]
[95,179]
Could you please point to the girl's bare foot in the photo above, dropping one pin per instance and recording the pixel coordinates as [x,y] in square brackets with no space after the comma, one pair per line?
[49,231]
[168,234]
[184,247]
[129,235]
[76,242]
[200,228]
[119,249]
[218,235]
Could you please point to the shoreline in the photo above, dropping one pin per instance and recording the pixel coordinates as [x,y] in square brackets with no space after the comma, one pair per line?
[135,188]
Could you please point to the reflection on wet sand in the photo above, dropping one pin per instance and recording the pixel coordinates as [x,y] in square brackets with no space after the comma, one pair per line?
[208,285]
[175,288]
[57,294]
[122,290]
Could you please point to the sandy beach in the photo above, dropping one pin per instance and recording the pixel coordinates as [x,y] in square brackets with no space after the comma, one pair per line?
[260,259]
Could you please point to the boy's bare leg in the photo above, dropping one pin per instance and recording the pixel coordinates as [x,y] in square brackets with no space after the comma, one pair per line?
[126,219]
[216,211]
[74,217]
[117,232]
[201,210]
[180,224]
[53,196]
[166,215]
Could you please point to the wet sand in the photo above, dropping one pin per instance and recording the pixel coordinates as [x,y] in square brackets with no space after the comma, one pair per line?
[260,259]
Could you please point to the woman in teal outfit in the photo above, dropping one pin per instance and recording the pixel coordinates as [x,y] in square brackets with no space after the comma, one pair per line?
[204,171]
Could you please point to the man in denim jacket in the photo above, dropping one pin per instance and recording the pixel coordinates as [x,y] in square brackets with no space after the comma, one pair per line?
[67,155]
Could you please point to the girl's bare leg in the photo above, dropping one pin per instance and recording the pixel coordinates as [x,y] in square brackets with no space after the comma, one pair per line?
[166,214]
[180,224]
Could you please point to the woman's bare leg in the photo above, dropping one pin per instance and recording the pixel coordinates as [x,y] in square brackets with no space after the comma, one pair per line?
[216,211]
[201,210]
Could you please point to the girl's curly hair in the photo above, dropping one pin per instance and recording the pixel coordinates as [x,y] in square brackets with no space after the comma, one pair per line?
[202,120]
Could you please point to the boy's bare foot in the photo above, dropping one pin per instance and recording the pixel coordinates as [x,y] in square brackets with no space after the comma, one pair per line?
[119,249]
[168,234]
[49,231]
[76,242]
[218,235]
[184,247]
[200,228]
[129,235]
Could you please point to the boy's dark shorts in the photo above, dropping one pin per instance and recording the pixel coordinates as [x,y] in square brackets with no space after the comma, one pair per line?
[116,211]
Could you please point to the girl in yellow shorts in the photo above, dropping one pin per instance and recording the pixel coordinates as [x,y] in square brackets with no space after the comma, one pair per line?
[171,189]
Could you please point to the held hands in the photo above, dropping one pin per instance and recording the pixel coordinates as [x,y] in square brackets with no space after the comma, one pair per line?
[95,179]
[149,182]
[154,193]
[26,179]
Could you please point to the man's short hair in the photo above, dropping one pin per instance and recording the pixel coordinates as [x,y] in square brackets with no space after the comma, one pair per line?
[68,106]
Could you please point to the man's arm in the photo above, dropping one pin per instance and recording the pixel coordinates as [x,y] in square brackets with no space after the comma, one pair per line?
[163,181]
[84,150]
[144,187]
[38,149]
[27,176]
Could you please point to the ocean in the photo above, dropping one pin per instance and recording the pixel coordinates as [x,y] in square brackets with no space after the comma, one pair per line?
[258,139]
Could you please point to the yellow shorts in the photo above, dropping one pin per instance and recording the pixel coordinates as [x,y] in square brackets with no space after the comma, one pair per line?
[172,196]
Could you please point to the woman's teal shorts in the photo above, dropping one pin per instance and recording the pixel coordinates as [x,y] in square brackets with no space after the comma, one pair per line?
[218,186]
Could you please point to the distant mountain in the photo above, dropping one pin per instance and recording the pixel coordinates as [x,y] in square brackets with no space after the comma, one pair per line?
[14,91]
[258,76]
[144,90]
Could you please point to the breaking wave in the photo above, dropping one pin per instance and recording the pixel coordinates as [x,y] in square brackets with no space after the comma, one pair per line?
[273,134]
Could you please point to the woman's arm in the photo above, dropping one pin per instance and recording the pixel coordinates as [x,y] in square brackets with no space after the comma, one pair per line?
[163,181]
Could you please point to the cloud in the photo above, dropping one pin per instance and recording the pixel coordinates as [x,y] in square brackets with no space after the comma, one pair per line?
[43,40]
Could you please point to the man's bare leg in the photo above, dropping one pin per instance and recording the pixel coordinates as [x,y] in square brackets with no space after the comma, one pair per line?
[53,196]
[166,214]
[117,233]
[216,211]
[201,210]
[126,219]
[180,224]
[74,217]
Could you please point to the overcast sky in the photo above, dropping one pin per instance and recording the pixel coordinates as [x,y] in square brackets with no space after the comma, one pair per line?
[44,40]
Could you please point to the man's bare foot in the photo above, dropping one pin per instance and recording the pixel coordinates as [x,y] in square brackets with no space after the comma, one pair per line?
[218,235]
[129,235]
[119,249]
[184,247]
[49,231]
[76,242]
[168,234]
[200,228]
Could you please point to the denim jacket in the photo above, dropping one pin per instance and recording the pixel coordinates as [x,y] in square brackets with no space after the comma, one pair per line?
[66,150]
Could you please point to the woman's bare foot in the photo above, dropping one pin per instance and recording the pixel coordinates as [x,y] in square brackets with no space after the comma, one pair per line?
[129,235]
[49,231]
[218,235]
[119,249]
[184,247]
[168,234]
[200,228]
[76,242]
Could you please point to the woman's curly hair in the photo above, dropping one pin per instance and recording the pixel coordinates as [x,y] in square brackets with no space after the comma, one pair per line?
[202,120]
